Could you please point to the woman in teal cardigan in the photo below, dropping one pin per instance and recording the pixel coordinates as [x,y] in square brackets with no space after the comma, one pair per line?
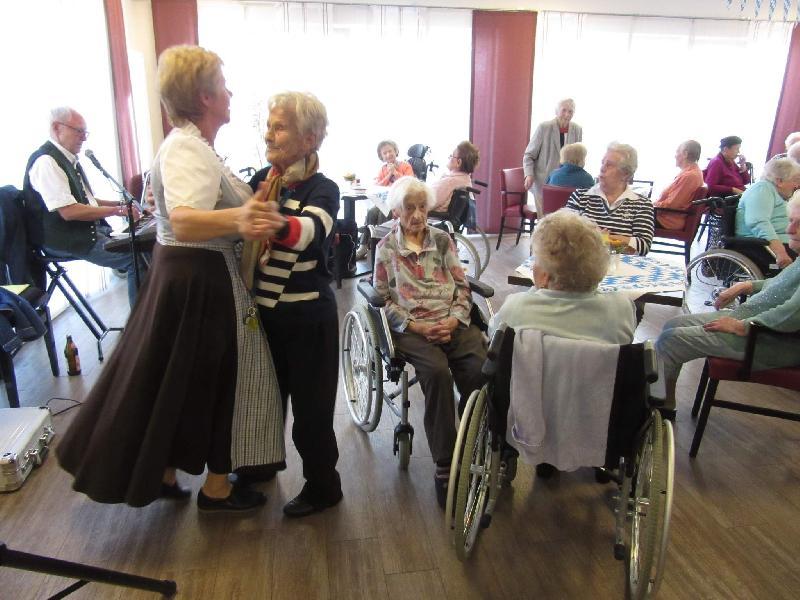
[776,304]
[762,212]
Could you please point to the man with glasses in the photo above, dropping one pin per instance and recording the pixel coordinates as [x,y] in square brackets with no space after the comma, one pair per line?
[68,220]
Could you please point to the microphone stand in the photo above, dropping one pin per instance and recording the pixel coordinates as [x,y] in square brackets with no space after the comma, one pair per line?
[129,201]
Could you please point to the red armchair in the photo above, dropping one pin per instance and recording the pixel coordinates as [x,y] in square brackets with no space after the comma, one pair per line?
[554,198]
[684,237]
[513,203]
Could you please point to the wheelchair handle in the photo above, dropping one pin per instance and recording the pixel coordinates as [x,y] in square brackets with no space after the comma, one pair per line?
[496,342]
[480,183]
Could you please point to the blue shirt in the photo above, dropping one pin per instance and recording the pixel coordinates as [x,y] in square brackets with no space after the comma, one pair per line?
[568,175]
[762,213]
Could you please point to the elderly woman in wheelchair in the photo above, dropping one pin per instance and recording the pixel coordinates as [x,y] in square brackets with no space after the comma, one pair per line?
[566,387]
[424,302]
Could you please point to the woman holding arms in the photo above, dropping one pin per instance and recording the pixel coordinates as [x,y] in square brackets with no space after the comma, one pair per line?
[192,384]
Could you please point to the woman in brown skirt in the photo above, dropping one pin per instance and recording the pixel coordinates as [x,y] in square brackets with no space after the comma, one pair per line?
[192,384]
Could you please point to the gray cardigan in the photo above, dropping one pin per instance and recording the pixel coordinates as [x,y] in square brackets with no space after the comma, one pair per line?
[543,153]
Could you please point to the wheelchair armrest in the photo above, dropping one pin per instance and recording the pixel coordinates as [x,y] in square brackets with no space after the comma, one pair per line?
[489,367]
[671,210]
[650,362]
[478,287]
[743,242]
[371,294]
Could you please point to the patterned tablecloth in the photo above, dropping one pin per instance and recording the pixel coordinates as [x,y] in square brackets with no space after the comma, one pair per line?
[633,275]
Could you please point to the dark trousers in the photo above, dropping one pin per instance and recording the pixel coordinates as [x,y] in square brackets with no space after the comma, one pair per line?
[464,356]
[374,217]
[306,357]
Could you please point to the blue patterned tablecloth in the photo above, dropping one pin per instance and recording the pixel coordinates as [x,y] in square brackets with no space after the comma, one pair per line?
[635,275]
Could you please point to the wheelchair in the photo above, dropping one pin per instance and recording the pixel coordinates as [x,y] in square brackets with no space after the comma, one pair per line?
[416,158]
[729,258]
[374,373]
[458,220]
[640,446]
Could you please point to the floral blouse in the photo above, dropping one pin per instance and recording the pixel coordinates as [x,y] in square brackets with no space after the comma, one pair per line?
[426,286]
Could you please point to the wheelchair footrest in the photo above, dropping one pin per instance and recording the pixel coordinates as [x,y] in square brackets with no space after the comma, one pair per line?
[402,429]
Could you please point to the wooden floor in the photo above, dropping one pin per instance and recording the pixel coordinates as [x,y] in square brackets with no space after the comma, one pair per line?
[735,529]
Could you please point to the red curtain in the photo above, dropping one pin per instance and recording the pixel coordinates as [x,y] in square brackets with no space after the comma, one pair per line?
[174,22]
[123,103]
[787,117]
[502,79]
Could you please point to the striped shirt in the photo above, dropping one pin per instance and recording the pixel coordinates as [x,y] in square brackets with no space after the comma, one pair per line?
[631,215]
[295,279]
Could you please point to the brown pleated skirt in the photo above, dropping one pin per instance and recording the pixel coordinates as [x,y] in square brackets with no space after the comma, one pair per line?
[166,396]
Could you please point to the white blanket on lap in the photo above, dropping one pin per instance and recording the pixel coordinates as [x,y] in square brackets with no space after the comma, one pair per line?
[561,393]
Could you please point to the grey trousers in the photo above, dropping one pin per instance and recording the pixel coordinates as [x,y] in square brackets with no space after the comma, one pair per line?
[464,356]
[683,339]
[374,217]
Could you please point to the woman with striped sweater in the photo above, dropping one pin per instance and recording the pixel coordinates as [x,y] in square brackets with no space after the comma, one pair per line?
[613,205]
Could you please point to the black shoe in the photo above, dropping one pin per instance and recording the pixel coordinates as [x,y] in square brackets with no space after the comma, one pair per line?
[174,491]
[239,500]
[601,475]
[545,470]
[252,475]
[441,484]
[299,506]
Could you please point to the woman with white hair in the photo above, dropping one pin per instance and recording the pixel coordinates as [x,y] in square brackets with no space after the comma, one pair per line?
[543,151]
[614,206]
[570,260]
[571,173]
[428,306]
[761,213]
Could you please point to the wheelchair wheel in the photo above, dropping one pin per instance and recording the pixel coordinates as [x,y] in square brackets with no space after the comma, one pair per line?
[477,478]
[483,247]
[362,369]
[458,454]
[404,451]
[468,255]
[666,517]
[649,495]
[713,271]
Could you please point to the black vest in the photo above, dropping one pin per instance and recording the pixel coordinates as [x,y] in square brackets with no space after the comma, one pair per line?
[50,229]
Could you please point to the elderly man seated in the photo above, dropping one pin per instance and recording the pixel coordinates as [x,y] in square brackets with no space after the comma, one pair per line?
[428,306]
[680,193]
[614,206]
[776,304]
[570,261]
[761,213]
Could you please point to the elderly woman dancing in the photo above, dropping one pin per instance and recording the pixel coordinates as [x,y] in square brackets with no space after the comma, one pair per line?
[291,281]
[428,306]
[775,303]
[614,206]
[761,213]
[191,385]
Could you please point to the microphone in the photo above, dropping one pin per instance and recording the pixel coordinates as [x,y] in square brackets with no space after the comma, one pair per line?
[90,155]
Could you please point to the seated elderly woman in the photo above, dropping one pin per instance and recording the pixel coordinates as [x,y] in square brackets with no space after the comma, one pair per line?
[776,304]
[614,206]
[726,173]
[428,307]
[762,213]
[460,166]
[570,261]
[571,172]
[392,169]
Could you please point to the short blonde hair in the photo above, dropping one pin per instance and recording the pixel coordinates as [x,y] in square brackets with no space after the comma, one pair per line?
[573,154]
[405,186]
[185,72]
[309,113]
[570,249]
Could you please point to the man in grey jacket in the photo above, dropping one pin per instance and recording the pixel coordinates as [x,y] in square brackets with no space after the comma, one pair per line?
[542,154]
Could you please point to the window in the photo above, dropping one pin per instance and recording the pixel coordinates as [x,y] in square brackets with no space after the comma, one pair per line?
[382,72]
[654,82]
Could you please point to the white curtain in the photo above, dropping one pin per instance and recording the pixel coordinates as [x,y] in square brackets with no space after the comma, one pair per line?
[653,82]
[55,53]
[382,72]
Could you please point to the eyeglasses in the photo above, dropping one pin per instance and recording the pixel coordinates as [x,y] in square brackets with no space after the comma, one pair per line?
[84,133]
[454,156]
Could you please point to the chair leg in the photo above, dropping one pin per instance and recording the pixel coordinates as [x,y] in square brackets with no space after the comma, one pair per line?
[520,230]
[9,378]
[687,250]
[701,390]
[701,422]
[500,235]
[50,343]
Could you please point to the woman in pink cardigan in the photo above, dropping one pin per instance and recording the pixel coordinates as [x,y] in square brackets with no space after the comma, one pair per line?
[727,174]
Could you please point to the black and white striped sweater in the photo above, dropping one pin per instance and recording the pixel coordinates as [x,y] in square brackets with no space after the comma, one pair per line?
[632,216]
[295,281]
